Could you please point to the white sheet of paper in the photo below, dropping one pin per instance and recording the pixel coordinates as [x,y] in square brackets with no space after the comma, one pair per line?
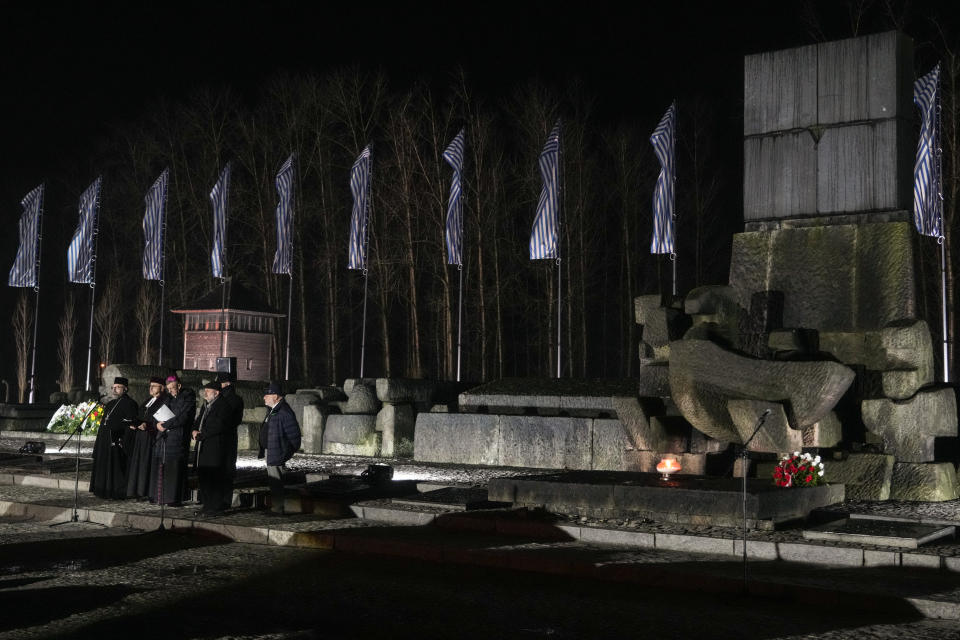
[163,414]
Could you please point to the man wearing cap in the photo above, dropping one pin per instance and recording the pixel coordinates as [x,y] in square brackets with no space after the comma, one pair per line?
[140,449]
[212,447]
[228,393]
[108,478]
[280,439]
[168,482]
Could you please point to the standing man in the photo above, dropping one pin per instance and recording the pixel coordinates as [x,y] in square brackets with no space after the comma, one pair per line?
[212,444]
[280,439]
[168,482]
[140,452]
[108,478]
[228,393]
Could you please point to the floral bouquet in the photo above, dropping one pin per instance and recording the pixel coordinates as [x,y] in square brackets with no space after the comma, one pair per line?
[68,416]
[798,470]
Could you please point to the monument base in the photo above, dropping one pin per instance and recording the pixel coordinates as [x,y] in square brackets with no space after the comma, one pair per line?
[693,500]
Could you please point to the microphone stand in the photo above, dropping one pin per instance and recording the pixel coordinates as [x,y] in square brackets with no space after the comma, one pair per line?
[743,471]
[75,517]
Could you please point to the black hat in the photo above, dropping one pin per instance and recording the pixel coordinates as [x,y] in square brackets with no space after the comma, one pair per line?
[225,376]
[121,380]
[156,380]
[213,384]
[273,388]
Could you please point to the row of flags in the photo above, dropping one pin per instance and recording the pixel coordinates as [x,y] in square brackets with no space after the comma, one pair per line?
[544,237]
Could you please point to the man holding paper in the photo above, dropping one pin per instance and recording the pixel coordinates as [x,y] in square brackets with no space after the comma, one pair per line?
[169,476]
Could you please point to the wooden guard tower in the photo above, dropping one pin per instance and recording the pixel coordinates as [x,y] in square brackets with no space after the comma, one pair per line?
[231,322]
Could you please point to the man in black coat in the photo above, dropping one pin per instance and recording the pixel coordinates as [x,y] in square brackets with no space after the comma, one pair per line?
[279,440]
[213,446]
[108,478]
[168,483]
[228,394]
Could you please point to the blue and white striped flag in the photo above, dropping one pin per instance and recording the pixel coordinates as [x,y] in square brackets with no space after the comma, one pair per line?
[220,197]
[283,258]
[360,188]
[153,228]
[546,226]
[927,201]
[454,233]
[664,146]
[24,270]
[81,255]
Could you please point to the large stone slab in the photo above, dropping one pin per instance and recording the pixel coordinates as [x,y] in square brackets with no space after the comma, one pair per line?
[457,438]
[396,423]
[886,533]
[405,390]
[612,448]
[704,377]
[361,396]
[780,90]
[548,396]
[931,482]
[909,353]
[866,476]
[827,432]
[833,278]
[861,167]
[687,499]
[775,435]
[545,442]
[779,176]
[357,431]
[312,426]
[908,428]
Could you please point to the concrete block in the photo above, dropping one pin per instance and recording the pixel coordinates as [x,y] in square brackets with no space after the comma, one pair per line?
[617,536]
[857,168]
[756,549]
[817,554]
[873,558]
[866,476]
[396,422]
[653,380]
[248,436]
[779,176]
[254,414]
[405,390]
[457,438]
[826,432]
[908,428]
[361,396]
[696,544]
[909,353]
[931,482]
[545,442]
[922,560]
[644,305]
[312,426]
[611,446]
[780,90]
[354,430]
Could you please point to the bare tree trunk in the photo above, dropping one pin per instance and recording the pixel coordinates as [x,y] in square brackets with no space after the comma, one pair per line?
[22,322]
[67,334]
[107,319]
[145,314]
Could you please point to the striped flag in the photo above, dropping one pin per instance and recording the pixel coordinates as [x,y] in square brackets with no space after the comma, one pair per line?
[24,272]
[283,258]
[454,233]
[544,236]
[153,228]
[927,200]
[81,256]
[360,188]
[664,146]
[219,197]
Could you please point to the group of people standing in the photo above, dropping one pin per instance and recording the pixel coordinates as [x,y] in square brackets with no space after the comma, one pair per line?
[141,452]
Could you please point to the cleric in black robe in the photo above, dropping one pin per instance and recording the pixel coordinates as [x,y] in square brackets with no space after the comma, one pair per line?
[168,480]
[229,394]
[140,450]
[108,478]
[213,447]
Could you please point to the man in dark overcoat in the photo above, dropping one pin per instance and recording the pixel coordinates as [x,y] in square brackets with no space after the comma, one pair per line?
[212,447]
[279,440]
[108,478]
[168,484]
[140,449]
[228,393]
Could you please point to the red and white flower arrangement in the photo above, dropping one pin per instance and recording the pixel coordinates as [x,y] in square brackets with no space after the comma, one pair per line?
[798,470]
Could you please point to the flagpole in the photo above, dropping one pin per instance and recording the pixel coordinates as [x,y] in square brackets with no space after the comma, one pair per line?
[93,283]
[559,245]
[223,316]
[366,256]
[36,308]
[460,310]
[163,271]
[286,375]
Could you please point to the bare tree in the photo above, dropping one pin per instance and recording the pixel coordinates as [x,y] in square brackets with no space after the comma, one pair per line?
[22,322]
[108,317]
[67,335]
[145,313]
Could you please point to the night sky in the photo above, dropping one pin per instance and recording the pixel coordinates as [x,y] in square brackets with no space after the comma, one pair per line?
[73,72]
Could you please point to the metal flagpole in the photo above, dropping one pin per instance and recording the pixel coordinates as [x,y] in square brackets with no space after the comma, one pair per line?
[559,242]
[163,272]
[36,308]
[366,256]
[93,283]
[223,316]
[938,171]
[460,309]
[673,205]
[286,375]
